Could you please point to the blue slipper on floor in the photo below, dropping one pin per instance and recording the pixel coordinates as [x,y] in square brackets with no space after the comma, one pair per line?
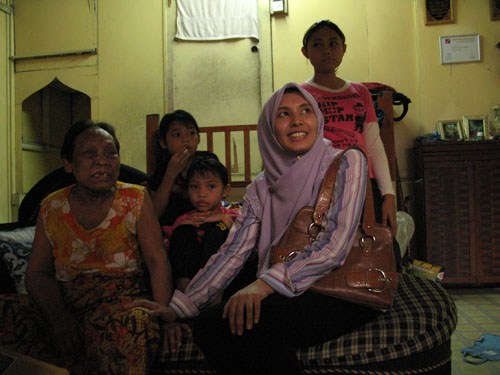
[485,348]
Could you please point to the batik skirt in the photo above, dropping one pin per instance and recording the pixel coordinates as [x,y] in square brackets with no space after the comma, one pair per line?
[117,339]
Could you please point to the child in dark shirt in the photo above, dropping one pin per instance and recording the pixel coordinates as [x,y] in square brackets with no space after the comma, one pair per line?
[197,235]
[177,140]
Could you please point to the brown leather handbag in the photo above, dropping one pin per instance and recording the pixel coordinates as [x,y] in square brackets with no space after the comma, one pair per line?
[368,277]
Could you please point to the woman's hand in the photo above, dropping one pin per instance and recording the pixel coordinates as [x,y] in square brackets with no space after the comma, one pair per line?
[246,303]
[389,212]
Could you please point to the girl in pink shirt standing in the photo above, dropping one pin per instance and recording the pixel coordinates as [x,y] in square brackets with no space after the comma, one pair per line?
[348,110]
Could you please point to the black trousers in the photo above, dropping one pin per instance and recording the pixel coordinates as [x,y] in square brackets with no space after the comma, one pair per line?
[187,254]
[285,325]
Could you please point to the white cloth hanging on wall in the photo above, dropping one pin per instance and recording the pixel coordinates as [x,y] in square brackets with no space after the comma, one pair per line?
[217,19]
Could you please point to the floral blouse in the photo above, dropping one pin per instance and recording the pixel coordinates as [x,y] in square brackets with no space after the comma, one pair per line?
[111,247]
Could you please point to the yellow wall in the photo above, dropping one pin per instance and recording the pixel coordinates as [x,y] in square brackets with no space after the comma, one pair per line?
[449,91]
[5,111]
[130,70]
[32,76]
[380,38]
[51,26]
[387,40]
[124,80]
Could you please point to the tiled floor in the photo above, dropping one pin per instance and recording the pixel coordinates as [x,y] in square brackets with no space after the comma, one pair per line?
[478,312]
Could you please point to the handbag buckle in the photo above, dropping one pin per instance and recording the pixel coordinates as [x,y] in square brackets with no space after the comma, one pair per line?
[313,235]
[291,255]
[362,245]
[384,278]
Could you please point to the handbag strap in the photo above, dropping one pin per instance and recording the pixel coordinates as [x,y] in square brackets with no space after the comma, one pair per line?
[325,196]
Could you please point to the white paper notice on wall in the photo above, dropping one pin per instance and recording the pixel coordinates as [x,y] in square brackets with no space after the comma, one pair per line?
[459,48]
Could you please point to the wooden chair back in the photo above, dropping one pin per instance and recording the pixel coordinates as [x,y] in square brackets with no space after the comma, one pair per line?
[153,120]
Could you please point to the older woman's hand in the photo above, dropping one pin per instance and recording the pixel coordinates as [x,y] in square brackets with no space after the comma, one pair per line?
[172,330]
[165,313]
[246,302]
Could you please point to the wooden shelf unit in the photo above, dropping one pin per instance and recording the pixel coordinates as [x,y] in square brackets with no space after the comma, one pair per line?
[458,209]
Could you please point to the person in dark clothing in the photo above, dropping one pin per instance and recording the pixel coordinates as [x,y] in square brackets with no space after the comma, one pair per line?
[177,140]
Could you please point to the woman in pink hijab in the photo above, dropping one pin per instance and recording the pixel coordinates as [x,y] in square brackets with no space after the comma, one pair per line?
[258,329]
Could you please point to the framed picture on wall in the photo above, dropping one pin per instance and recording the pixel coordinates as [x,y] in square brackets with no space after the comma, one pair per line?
[495,10]
[459,48]
[450,130]
[439,11]
[475,127]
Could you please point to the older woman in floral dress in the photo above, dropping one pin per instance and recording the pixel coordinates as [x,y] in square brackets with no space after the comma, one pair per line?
[93,242]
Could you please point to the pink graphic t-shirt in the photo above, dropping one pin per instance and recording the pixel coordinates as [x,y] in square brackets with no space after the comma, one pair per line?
[346,112]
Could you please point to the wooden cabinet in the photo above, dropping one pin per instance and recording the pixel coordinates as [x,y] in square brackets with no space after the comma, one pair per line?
[458,209]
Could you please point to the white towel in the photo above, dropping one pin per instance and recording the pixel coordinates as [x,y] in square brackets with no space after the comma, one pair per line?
[217,19]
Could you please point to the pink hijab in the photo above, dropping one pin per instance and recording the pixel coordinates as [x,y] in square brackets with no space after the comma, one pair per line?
[287,182]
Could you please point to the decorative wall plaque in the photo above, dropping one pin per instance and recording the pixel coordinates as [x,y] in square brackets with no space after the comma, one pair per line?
[495,10]
[439,11]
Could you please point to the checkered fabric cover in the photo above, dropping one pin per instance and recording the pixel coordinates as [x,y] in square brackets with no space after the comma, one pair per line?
[423,316]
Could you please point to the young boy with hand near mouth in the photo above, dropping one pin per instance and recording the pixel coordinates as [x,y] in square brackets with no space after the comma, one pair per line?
[197,235]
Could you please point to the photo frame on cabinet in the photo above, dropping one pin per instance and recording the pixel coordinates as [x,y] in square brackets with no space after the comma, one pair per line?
[439,12]
[450,130]
[475,128]
[495,10]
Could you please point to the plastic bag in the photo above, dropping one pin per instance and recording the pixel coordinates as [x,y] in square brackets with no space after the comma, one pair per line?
[406,228]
